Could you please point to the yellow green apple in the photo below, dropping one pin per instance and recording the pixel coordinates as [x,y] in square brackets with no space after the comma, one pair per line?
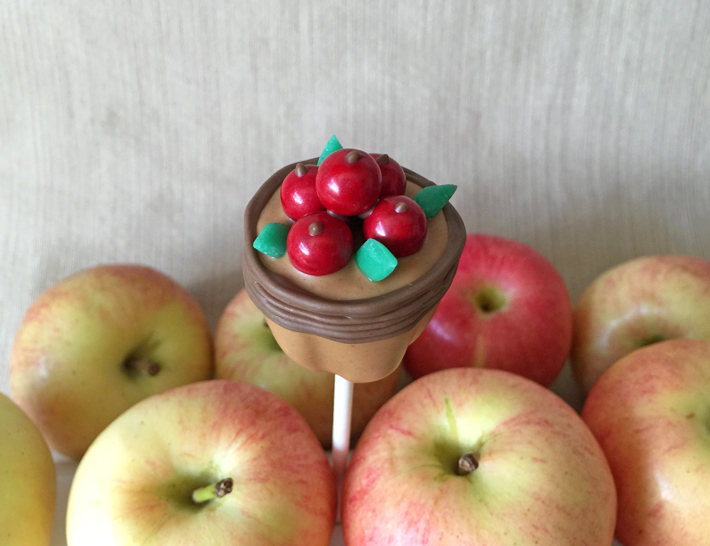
[99,341]
[245,350]
[217,463]
[634,304]
[28,486]
[650,412]
[478,456]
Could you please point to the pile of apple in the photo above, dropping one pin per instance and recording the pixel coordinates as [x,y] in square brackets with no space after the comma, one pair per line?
[181,442]
[349,183]
[639,344]
[350,203]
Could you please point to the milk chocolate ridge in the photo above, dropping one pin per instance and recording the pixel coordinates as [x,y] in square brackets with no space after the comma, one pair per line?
[345,321]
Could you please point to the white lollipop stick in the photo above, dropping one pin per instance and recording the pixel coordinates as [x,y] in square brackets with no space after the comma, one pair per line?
[342,417]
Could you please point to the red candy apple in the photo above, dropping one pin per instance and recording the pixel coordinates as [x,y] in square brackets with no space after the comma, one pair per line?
[507,308]
[394,181]
[319,244]
[348,182]
[397,222]
[298,192]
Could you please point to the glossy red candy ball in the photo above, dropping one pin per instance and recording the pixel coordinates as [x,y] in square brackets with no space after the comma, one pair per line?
[398,223]
[348,182]
[394,181]
[298,192]
[319,244]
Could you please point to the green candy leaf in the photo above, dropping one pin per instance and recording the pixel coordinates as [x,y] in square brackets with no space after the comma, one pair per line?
[331,146]
[374,260]
[272,240]
[433,198]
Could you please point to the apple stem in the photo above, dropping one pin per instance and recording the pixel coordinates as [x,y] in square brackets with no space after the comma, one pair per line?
[467,464]
[353,157]
[301,170]
[213,491]
[141,365]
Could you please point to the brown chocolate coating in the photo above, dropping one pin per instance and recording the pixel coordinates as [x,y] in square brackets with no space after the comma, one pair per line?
[346,321]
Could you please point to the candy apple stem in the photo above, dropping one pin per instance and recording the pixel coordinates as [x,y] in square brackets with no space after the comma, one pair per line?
[342,417]
[467,464]
[213,491]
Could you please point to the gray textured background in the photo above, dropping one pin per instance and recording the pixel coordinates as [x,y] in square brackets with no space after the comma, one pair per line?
[135,131]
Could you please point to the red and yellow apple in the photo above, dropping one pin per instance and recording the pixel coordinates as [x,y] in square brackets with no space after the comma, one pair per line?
[650,412]
[245,350]
[637,303]
[28,484]
[508,308]
[99,341]
[215,463]
[476,456]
